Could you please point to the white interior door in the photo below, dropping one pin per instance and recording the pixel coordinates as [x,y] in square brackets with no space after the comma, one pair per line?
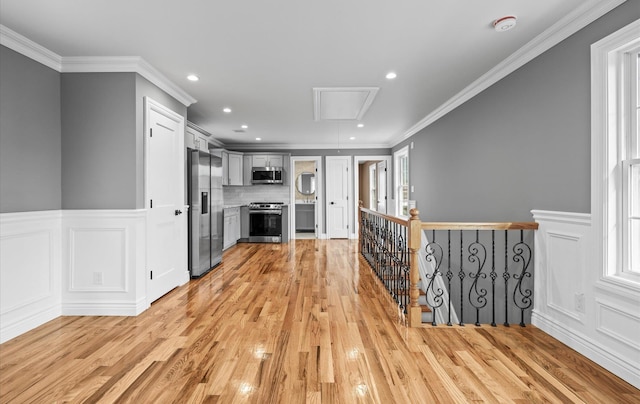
[381,170]
[166,238]
[338,186]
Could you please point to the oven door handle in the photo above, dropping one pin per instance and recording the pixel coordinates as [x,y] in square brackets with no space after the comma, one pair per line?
[262,212]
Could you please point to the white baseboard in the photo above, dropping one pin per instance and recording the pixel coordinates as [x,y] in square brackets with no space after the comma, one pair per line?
[28,322]
[104,308]
[593,350]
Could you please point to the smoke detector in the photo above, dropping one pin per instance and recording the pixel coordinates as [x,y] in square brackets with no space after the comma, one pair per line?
[504,23]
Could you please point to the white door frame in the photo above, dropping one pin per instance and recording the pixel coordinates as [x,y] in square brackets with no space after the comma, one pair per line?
[152,105]
[319,195]
[356,183]
[350,198]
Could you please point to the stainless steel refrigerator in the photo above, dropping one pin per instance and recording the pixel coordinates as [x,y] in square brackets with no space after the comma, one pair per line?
[205,211]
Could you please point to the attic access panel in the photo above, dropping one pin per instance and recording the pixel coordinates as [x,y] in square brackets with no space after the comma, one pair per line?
[342,103]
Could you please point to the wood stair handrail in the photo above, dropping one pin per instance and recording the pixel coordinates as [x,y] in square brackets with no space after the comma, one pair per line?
[479,226]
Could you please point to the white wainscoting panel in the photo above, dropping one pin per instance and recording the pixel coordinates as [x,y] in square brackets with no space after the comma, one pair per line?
[30,271]
[564,260]
[103,262]
[618,322]
[600,323]
[100,259]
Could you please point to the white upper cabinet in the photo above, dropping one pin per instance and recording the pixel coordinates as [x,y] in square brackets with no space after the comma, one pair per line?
[235,169]
[268,160]
[196,140]
[232,168]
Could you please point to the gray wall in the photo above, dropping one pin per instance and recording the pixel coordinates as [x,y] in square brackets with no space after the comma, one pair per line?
[98,141]
[103,140]
[522,144]
[30,135]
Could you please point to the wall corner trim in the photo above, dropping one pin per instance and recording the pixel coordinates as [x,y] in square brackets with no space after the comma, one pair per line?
[582,16]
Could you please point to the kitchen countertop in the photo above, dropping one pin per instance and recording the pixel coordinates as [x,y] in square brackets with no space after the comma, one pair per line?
[236,205]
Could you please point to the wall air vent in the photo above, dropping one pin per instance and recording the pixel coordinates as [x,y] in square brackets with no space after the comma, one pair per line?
[339,103]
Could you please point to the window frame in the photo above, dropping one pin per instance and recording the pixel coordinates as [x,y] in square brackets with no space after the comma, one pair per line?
[373,187]
[612,127]
[630,158]
[400,202]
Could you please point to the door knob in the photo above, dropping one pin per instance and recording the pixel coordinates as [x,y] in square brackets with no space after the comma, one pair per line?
[178,212]
[333,203]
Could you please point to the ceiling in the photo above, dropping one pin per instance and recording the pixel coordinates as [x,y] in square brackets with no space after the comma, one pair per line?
[263,59]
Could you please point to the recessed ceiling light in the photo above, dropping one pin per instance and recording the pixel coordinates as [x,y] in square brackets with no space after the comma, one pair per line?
[504,23]
[226,110]
[391,75]
[193,77]
[352,138]
[360,125]
[258,138]
[244,126]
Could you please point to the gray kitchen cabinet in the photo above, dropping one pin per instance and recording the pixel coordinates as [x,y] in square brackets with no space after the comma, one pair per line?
[232,168]
[196,140]
[305,217]
[267,160]
[285,223]
[231,230]
[247,162]
[225,168]
[244,223]
[235,168]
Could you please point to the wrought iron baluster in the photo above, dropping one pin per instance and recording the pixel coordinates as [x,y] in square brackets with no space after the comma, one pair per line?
[522,255]
[493,276]
[478,256]
[434,255]
[506,277]
[449,275]
[405,267]
[461,275]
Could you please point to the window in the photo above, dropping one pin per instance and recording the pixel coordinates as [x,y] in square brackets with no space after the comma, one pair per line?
[373,193]
[401,176]
[615,154]
[631,166]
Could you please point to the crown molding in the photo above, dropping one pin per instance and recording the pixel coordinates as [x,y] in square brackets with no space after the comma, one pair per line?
[97,64]
[290,146]
[30,49]
[119,64]
[561,30]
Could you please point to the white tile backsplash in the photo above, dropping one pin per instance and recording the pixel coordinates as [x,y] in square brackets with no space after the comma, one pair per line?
[256,193]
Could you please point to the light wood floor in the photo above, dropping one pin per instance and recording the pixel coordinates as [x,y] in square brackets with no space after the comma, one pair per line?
[292,324]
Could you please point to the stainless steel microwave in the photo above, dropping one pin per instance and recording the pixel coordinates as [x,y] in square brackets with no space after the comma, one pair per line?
[266,175]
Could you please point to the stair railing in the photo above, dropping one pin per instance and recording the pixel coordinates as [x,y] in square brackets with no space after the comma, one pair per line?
[472,269]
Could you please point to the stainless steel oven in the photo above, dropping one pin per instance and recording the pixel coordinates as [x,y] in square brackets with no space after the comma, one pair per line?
[265,222]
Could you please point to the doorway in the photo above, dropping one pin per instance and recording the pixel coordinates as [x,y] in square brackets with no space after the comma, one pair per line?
[372,182]
[306,197]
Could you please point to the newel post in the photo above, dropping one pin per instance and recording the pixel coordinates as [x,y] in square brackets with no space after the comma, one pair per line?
[415,229]
[360,239]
